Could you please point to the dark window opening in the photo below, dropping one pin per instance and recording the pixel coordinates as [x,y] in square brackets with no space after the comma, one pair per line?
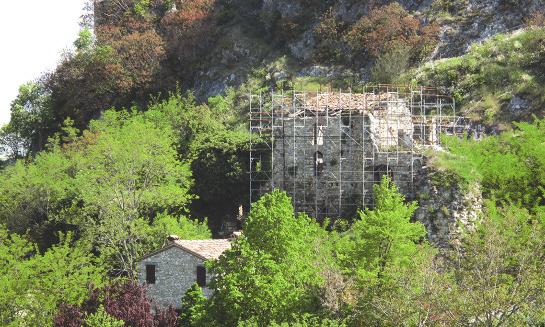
[381,171]
[318,163]
[150,274]
[201,276]
[345,120]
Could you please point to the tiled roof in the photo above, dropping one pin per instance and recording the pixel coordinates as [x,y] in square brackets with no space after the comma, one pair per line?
[207,249]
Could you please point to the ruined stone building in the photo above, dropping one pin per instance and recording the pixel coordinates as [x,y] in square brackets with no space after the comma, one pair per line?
[328,149]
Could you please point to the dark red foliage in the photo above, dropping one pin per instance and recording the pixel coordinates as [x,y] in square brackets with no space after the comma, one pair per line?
[166,318]
[125,301]
[68,316]
[128,302]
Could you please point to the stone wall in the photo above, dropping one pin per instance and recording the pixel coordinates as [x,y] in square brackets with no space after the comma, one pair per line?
[328,164]
[176,271]
[447,204]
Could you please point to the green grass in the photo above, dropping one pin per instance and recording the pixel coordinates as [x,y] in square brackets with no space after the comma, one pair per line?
[485,79]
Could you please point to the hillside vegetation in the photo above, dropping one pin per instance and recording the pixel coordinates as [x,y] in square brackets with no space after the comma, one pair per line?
[496,82]
[141,132]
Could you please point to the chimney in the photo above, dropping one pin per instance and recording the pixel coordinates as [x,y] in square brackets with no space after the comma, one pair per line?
[172,238]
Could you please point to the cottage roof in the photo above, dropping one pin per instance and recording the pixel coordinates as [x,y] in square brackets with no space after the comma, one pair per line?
[207,249]
[204,249]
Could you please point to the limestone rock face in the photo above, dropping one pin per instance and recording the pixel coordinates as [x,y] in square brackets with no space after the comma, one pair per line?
[447,205]
[478,20]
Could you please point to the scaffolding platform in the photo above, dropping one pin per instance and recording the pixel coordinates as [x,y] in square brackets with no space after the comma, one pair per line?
[328,149]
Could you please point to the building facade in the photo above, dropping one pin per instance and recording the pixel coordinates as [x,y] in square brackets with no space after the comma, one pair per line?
[328,150]
[169,272]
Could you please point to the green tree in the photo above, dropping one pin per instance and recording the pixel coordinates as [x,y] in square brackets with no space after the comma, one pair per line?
[109,184]
[32,285]
[193,307]
[499,270]
[379,253]
[101,318]
[382,236]
[417,294]
[34,194]
[274,270]
[250,284]
[128,171]
[31,118]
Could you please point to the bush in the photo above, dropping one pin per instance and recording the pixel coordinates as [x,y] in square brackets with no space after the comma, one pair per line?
[390,65]
[389,27]
[118,304]
[328,35]
[190,30]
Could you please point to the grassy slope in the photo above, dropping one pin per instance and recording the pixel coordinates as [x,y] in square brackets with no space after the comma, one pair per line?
[491,74]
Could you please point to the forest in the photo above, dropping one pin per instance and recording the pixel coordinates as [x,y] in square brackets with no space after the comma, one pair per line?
[124,144]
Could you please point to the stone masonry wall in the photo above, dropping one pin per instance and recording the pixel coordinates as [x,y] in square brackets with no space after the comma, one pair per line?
[176,271]
[354,150]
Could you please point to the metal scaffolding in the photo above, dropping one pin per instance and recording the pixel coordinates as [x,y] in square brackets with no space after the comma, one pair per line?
[328,149]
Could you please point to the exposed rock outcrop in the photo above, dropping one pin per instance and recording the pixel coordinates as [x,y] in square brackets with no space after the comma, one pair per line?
[447,205]
[477,20]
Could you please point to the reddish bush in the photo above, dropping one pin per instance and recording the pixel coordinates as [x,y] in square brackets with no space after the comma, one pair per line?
[124,66]
[69,316]
[128,302]
[125,301]
[190,29]
[390,27]
[166,318]
[138,49]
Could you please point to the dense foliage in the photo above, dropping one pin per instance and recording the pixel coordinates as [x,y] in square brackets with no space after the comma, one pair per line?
[510,167]
[279,257]
[120,186]
[123,303]
[34,284]
[85,190]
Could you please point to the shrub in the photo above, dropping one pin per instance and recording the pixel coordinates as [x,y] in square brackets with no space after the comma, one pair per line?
[190,30]
[389,27]
[390,65]
[328,34]
[193,306]
[102,319]
[122,302]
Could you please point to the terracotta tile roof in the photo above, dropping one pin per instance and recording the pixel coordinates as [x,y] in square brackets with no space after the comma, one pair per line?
[207,249]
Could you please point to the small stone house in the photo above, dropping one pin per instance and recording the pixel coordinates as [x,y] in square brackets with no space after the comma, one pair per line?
[171,270]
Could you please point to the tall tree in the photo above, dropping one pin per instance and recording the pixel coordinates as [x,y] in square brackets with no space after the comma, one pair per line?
[32,285]
[377,251]
[128,170]
[499,270]
[192,311]
[273,271]
[30,123]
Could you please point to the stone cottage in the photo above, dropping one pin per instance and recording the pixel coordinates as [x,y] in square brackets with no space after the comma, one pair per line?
[171,270]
